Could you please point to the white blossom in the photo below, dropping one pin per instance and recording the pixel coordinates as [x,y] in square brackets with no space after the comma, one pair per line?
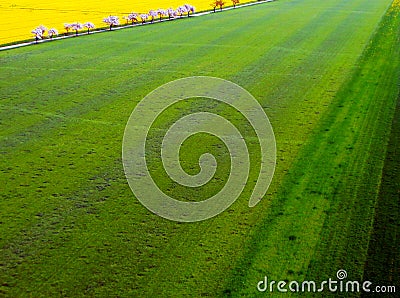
[76,26]
[39,32]
[181,10]
[88,26]
[189,8]
[171,13]
[133,16]
[43,28]
[111,21]
[67,27]
[144,17]
[153,14]
[52,32]
[161,12]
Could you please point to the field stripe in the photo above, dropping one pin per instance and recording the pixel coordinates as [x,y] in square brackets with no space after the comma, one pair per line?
[345,234]
[92,230]
[382,264]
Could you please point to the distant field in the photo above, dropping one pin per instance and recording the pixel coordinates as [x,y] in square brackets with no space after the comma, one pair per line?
[327,75]
[20,17]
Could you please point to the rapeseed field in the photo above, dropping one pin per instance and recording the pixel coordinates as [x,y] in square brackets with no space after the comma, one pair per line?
[20,17]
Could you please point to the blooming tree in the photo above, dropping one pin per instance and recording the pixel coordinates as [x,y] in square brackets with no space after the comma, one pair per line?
[144,17]
[39,32]
[161,12]
[111,21]
[43,28]
[52,32]
[76,26]
[88,26]
[189,9]
[220,3]
[214,5]
[234,2]
[181,10]
[171,13]
[67,27]
[153,14]
[132,17]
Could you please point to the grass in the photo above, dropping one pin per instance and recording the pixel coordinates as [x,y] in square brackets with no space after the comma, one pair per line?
[338,197]
[69,223]
[384,243]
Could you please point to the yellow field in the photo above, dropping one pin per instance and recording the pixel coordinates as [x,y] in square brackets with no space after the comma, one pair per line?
[20,17]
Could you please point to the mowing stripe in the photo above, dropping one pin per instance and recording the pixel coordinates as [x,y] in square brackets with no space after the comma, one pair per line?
[88,227]
[345,232]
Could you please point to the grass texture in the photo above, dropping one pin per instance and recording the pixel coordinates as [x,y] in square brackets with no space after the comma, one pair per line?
[326,73]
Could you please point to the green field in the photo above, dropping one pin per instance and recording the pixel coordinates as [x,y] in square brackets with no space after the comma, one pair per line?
[327,75]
